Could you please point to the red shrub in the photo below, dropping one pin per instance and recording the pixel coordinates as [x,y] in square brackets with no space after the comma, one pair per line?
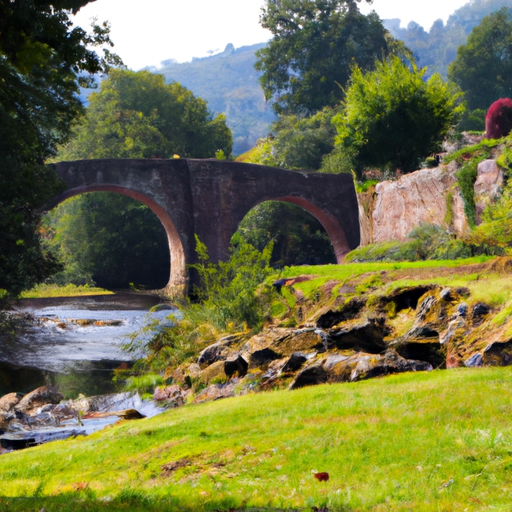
[498,121]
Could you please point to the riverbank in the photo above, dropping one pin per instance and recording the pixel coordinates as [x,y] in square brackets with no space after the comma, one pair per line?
[423,440]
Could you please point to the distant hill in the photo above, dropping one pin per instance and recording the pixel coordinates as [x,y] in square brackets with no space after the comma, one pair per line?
[437,48]
[229,82]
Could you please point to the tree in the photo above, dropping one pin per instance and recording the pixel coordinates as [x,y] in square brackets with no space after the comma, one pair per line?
[483,67]
[112,239]
[307,63]
[41,58]
[299,142]
[137,115]
[392,119]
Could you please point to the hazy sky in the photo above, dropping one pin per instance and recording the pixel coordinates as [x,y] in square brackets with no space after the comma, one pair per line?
[146,32]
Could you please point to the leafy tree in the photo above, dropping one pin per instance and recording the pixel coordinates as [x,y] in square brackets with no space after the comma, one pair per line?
[137,115]
[41,58]
[108,238]
[297,142]
[392,119]
[483,67]
[315,42]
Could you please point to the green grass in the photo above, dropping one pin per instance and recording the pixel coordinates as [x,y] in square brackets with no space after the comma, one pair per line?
[70,290]
[415,442]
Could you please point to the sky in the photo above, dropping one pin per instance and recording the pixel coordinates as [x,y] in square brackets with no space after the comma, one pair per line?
[146,32]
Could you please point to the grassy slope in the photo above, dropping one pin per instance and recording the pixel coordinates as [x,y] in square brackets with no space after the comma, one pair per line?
[437,441]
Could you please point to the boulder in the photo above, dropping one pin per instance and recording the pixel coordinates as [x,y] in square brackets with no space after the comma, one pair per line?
[8,402]
[237,365]
[314,373]
[474,361]
[215,370]
[173,395]
[366,337]
[217,391]
[262,358]
[347,311]
[498,353]
[390,362]
[212,354]
[40,396]
[295,361]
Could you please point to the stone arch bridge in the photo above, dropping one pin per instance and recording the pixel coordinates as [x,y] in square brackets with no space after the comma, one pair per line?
[210,198]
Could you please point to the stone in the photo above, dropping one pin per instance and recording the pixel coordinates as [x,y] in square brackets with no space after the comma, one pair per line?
[347,311]
[8,402]
[215,370]
[237,365]
[262,358]
[474,361]
[40,396]
[479,309]
[488,185]
[391,362]
[462,309]
[173,395]
[217,391]
[213,353]
[498,353]
[367,337]
[295,361]
[397,207]
[311,375]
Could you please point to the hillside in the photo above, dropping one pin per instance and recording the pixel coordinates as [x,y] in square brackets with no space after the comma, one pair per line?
[229,82]
[437,47]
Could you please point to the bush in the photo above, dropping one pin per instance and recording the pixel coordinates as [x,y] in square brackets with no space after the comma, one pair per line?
[498,121]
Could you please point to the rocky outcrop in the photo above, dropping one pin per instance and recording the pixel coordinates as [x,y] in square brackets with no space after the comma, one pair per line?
[397,207]
[488,185]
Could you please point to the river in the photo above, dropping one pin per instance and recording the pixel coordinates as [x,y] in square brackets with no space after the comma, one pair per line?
[76,343]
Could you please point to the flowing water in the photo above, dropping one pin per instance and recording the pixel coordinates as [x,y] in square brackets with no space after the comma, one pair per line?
[76,344]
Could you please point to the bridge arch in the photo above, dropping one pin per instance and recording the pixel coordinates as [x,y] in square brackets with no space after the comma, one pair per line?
[331,225]
[178,267]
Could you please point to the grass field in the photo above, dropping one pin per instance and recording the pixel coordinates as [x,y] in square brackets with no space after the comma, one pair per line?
[439,441]
[70,290]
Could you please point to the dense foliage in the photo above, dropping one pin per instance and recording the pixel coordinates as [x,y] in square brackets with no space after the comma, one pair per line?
[137,115]
[483,67]
[41,58]
[392,118]
[307,62]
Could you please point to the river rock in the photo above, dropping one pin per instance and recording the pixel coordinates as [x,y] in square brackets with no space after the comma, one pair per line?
[40,396]
[172,395]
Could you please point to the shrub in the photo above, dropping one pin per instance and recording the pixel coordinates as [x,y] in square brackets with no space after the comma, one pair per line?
[498,121]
